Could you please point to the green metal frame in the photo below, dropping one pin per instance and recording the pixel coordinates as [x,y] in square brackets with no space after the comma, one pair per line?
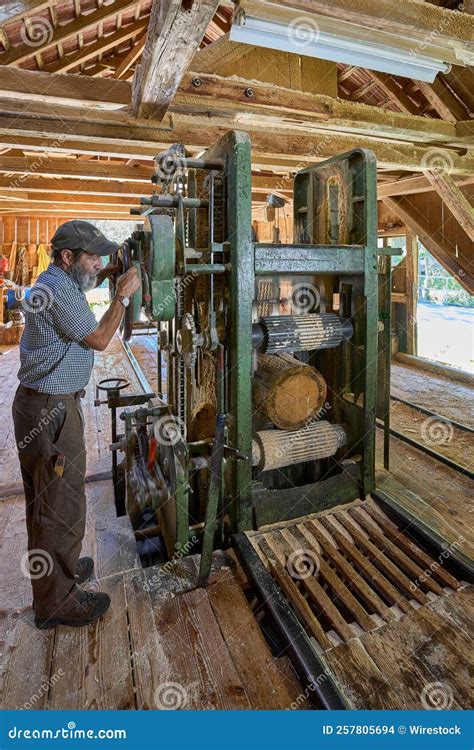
[345,258]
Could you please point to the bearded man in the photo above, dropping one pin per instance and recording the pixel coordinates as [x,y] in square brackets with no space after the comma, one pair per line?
[57,356]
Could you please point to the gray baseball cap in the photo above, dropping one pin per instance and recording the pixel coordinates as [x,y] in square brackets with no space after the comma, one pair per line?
[80,235]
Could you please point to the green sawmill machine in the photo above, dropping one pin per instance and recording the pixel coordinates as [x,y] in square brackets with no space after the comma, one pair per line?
[267,353]
[273,364]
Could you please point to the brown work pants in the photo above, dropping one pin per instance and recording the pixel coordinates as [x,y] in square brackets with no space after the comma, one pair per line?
[49,432]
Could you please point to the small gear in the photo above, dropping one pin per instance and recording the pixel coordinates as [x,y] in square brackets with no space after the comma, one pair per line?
[188,340]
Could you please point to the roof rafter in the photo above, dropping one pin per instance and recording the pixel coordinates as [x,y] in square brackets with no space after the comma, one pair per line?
[103,44]
[454,199]
[63,32]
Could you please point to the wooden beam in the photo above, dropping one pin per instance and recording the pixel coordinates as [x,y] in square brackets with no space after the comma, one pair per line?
[54,36]
[216,94]
[219,54]
[411,185]
[465,131]
[67,185]
[56,89]
[92,170]
[443,100]
[461,81]
[454,199]
[86,212]
[117,133]
[420,226]
[102,45]
[71,186]
[174,35]
[130,58]
[71,199]
[411,292]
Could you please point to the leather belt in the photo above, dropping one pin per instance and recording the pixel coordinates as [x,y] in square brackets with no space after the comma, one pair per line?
[36,394]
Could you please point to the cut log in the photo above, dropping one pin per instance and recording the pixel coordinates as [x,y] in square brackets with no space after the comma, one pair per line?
[287,391]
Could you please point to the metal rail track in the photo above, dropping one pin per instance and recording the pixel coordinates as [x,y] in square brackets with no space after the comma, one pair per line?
[429,451]
[431,413]
[141,377]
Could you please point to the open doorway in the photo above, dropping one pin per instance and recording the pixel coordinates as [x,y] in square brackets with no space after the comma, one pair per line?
[445,315]
[432,315]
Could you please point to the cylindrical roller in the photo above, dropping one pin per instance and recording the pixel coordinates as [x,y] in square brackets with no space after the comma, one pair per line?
[303,333]
[272,449]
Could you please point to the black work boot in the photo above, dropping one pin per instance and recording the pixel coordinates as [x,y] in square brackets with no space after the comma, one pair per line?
[86,608]
[84,569]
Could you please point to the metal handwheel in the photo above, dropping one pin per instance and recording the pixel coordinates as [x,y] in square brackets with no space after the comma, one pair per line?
[132,312]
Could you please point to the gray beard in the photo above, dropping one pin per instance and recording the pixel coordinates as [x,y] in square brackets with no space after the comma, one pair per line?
[86,280]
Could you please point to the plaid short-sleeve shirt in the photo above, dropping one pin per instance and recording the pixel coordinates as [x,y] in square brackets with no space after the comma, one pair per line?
[53,356]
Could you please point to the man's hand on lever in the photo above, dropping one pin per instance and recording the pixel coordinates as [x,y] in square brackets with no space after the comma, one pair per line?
[126,285]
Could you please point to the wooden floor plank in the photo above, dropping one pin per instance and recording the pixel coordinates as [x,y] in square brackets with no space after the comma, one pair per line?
[95,660]
[362,681]
[257,668]
[194,656]
[179,654]
[419,651]
[432,492]
[26,669]
[299,698]
[459,608]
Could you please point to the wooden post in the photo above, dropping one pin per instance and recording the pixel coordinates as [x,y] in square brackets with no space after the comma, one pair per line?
[411,292]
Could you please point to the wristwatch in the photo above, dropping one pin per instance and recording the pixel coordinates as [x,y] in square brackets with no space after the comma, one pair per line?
[124,300]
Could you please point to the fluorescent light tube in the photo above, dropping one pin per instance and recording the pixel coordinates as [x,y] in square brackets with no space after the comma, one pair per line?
[305,38]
